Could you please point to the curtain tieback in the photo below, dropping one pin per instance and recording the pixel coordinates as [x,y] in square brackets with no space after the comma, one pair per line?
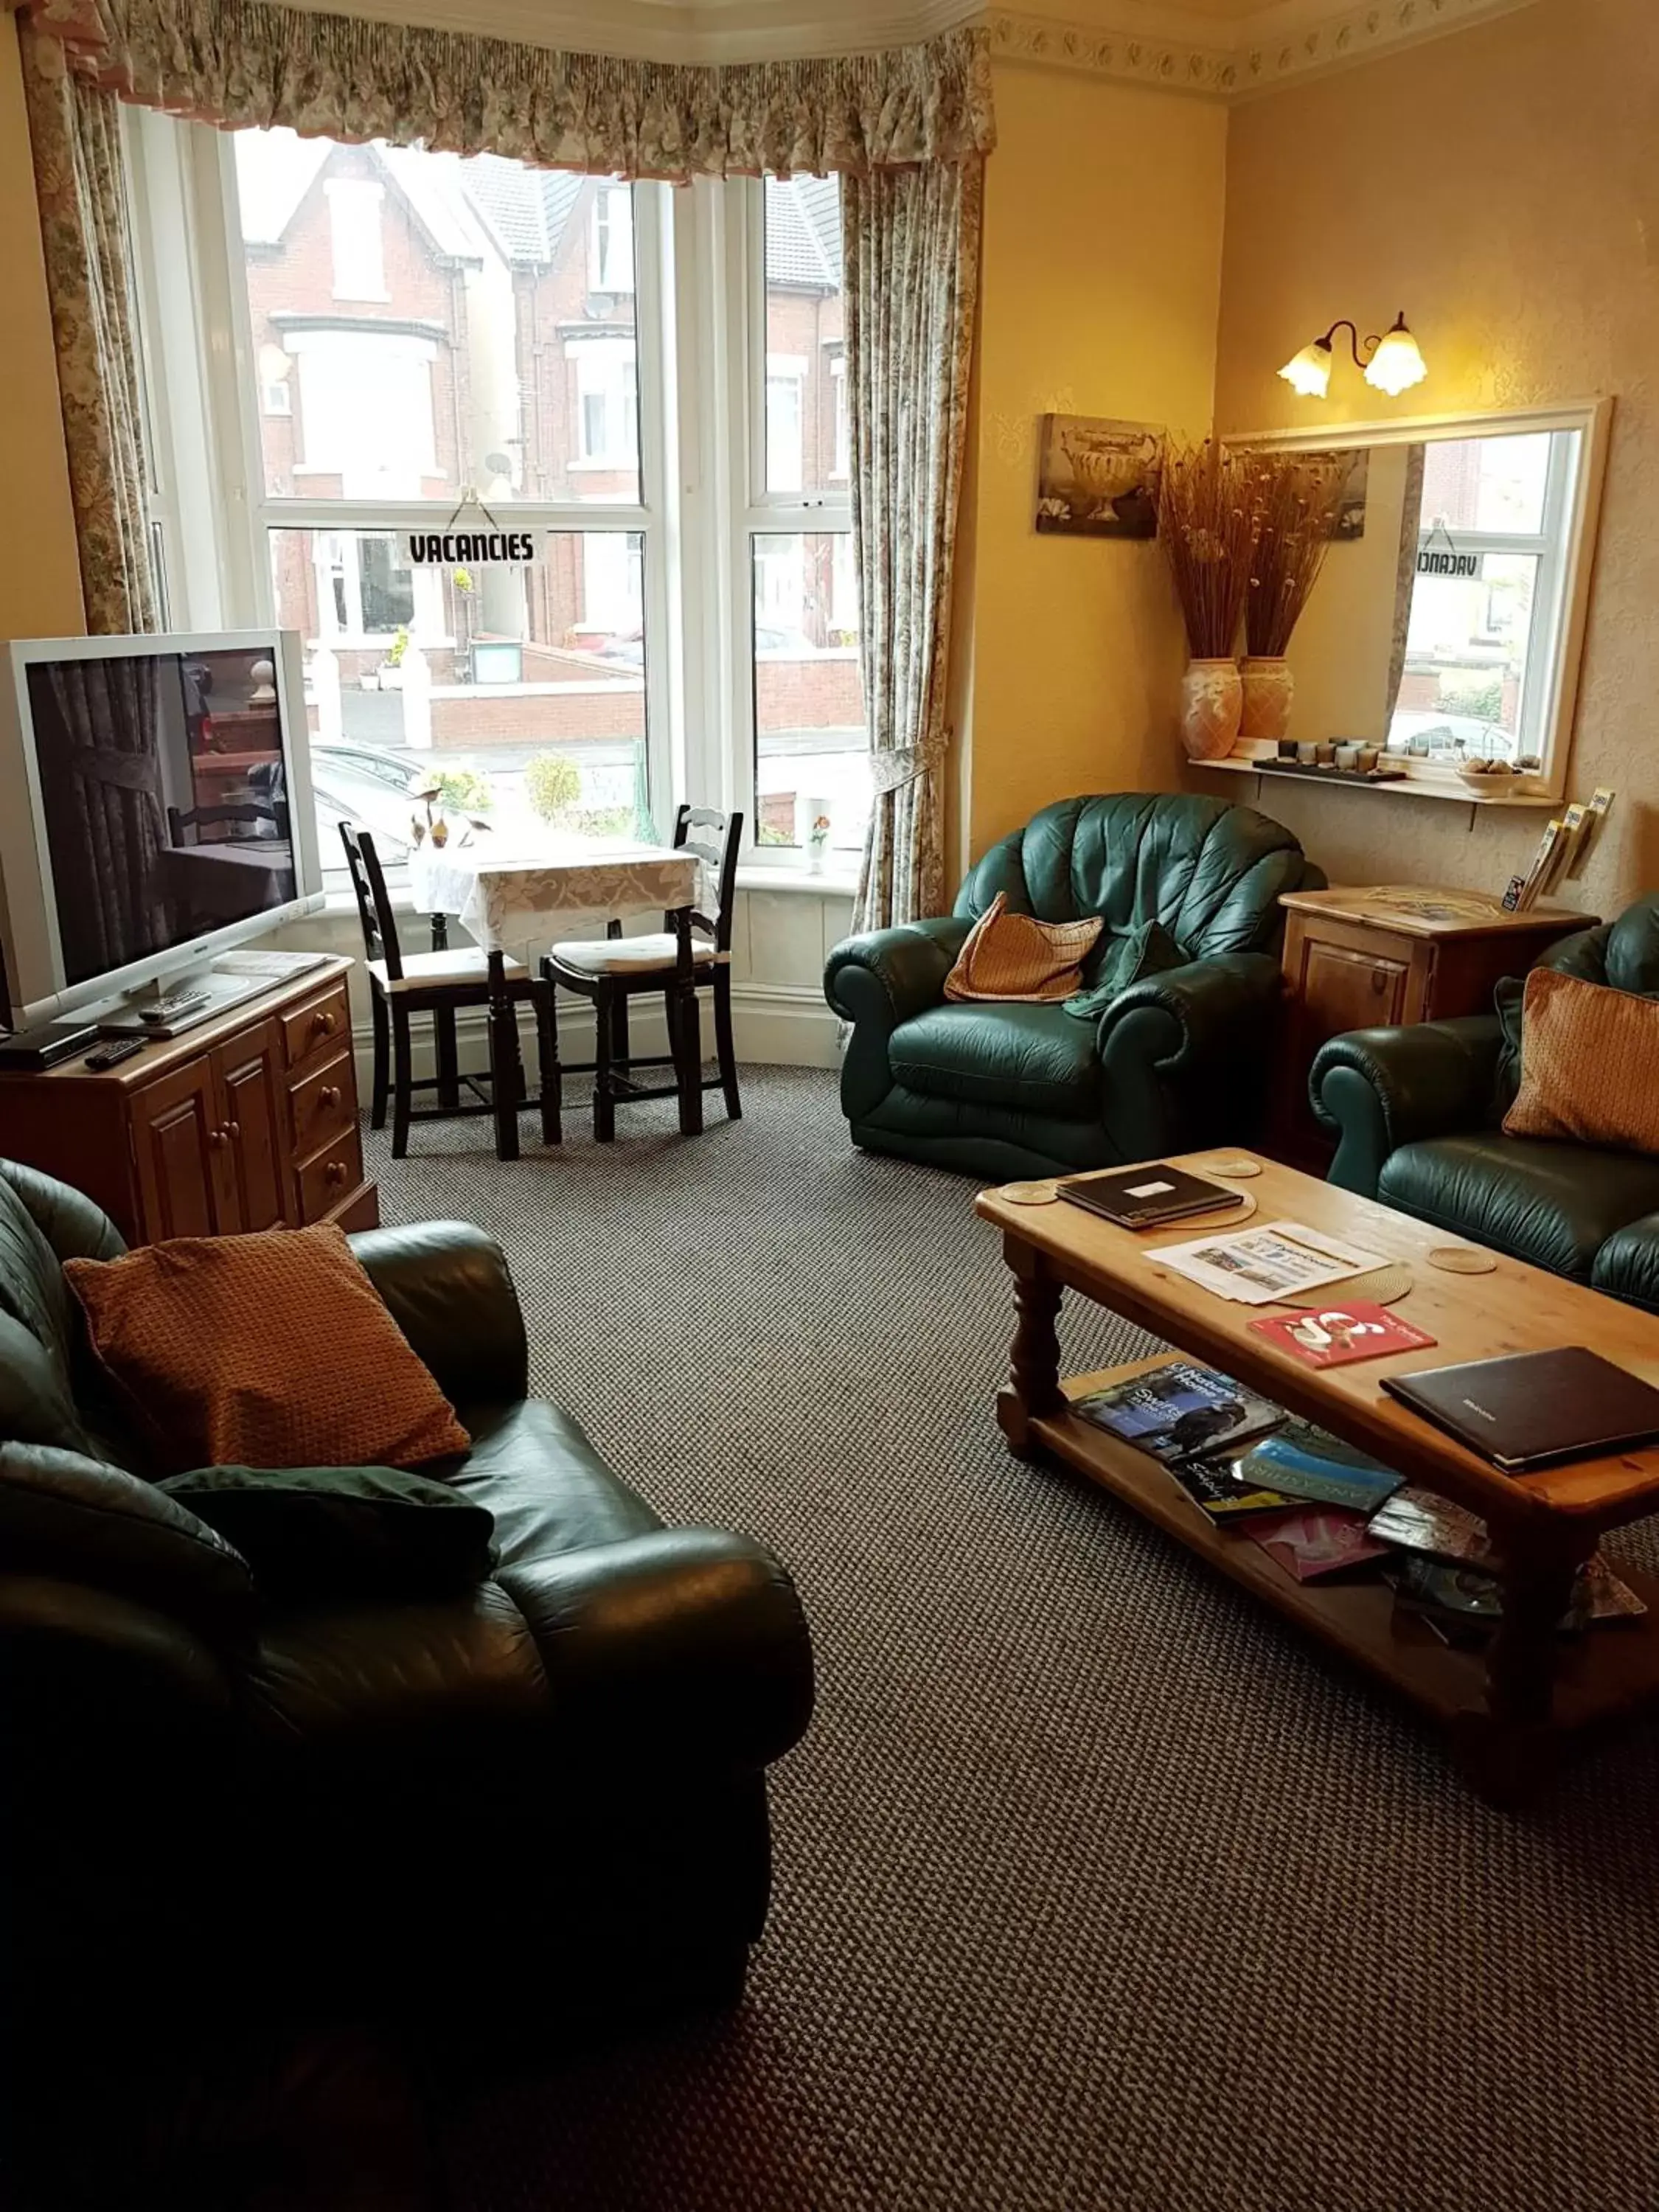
[892,767]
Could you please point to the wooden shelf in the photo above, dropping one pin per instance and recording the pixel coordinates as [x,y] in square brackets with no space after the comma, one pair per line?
[1407,787]
[1602,1674]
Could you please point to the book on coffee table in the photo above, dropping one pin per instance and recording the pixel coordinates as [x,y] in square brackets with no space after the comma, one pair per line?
[1311,1542]
[1306,1462]
[1338,1335]
[1179,1410]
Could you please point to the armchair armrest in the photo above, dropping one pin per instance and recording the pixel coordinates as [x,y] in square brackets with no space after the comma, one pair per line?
[887,975]
[446,1286]
[687,1642]
[1204,1010]
[1379,1089]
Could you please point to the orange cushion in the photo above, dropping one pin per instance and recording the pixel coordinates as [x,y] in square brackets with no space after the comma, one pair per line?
[272,1350]
[1590,1064]
[1013,956]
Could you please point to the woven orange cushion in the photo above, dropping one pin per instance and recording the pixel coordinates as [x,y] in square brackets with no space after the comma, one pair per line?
[273,1350]
[1013,956]
[1590,1064]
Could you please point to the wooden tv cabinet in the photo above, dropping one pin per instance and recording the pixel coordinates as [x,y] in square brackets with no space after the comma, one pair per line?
[248,1122]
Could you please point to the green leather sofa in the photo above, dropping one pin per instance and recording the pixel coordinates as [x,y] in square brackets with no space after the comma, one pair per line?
[1418,1113]
[1176,1060]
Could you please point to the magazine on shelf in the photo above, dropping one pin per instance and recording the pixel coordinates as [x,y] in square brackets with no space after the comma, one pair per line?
[1310,1543]
[1212,1483]
[1259,1266]
[1306,1462]
[1179,1410]
[1475,1599]
[1417,1521]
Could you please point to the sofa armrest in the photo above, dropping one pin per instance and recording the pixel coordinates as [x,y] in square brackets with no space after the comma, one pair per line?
[1202,1013]
[687,1645]
[1377,1090]
[887,975]
[446,1286]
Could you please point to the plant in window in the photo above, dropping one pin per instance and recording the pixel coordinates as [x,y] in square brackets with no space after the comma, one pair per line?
[553,785]
[398,647]
[465,791]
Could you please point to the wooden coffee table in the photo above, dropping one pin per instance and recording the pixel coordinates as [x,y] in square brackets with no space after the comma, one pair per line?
[1509,1708]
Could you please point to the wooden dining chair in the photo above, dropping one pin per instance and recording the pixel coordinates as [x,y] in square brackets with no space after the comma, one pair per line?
[241,809]
[693,950]
[443,984]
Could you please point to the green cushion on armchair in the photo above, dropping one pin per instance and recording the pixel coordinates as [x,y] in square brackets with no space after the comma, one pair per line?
[1170,1056]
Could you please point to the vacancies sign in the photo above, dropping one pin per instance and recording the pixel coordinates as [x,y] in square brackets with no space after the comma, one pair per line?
[469,548]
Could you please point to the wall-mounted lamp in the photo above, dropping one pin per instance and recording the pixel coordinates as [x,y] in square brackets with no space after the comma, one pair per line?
[1393,363]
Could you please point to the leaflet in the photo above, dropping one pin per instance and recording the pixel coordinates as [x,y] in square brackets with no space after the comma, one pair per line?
[1259,1266]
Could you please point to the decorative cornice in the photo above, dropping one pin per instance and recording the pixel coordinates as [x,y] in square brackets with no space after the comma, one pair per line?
[1241,60]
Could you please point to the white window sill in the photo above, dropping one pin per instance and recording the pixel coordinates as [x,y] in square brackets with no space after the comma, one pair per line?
[835,883]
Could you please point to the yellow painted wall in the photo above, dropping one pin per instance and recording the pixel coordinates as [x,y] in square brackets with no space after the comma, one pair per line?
[39,578]
[1099,295]
[1501,186]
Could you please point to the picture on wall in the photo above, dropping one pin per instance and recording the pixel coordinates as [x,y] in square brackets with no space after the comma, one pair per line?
[1355,464]
[1098,479]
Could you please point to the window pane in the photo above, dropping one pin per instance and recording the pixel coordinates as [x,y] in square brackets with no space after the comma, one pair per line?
[811,748]
[421,323]
[1464,687]
[521,691]
[805,391]
[1487,484]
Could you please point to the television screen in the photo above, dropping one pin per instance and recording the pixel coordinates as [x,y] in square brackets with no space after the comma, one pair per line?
[163,782]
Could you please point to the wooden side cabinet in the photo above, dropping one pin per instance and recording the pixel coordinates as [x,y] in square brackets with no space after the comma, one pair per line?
[1381,957]
[249,1122]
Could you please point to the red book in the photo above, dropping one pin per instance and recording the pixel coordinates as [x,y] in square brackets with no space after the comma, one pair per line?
[1336,1335]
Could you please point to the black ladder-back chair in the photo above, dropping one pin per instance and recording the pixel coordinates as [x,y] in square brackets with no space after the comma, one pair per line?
[443,984]
[694,949]
[239,810]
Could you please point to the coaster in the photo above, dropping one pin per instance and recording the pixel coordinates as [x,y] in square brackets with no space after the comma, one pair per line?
[1235,1170]
[1380,1286]
[1031,1193]
[1462,1259]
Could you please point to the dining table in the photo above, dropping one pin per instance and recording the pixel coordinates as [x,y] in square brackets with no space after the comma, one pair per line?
[512,894]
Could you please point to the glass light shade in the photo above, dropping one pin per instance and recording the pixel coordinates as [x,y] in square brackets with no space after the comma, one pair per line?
[1309,374]
[1398,362]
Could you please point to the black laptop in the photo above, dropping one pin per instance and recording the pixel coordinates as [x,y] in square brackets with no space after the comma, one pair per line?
[1534,1409]
[1146,1197]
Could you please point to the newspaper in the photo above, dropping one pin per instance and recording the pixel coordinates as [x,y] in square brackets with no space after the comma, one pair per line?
[1280,1259]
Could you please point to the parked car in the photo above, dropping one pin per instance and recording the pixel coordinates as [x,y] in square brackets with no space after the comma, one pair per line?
[367,784]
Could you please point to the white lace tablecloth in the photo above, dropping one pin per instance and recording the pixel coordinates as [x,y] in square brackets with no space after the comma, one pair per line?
[510,899]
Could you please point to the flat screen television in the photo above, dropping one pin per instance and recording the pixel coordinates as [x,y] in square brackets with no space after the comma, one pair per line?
[156,810]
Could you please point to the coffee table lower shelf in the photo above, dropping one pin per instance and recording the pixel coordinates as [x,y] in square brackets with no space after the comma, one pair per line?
[1604,1674]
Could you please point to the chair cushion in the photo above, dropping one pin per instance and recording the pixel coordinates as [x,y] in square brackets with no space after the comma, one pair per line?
[1627,1265]
[1034,1058]
[271,1350]
[1552,1204]
[613,955]
[465,963]
[1012,957]
[316,1532]
[547,1488]
[1590,1064]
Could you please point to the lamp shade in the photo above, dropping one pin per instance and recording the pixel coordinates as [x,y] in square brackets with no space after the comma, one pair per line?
[1309,373]
[1398,362]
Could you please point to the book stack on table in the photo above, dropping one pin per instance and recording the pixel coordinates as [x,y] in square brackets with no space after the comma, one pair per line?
[1317,1506]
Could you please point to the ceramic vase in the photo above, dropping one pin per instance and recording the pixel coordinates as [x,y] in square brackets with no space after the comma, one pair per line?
[1211,705]
[1269,690]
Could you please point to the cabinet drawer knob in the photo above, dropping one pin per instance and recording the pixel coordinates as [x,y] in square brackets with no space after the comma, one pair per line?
[1379,982]
[233,1130]
[325,1021]
[218,1139]
[336,1171]
[329,1095]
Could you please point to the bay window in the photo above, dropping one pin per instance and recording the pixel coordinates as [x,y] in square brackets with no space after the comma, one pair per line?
[381,340]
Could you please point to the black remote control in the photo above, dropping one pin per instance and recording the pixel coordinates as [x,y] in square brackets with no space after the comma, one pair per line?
[112,1055]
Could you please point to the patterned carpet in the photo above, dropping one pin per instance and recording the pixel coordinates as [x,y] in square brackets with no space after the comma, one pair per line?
[1097,1887]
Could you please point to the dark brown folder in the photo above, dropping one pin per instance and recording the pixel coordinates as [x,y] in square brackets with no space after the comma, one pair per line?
[1533,1409]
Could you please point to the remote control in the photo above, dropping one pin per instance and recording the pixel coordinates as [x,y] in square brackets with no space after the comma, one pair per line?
[172,1010]
[112,1055]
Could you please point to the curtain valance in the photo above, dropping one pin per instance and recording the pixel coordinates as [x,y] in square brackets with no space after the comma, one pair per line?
[242,62]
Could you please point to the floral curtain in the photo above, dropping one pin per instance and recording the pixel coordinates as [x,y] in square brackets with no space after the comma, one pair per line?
[911,247]
[80,181]
[241,62]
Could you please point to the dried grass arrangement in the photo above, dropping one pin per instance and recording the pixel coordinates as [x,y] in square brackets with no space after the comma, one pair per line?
[1297,498]
[1208,523]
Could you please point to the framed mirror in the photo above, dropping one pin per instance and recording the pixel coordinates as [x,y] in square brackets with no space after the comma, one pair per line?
[1447,626]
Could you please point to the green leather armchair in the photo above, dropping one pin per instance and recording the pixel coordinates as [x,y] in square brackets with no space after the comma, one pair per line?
[1005,1089]
[1418,1115]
